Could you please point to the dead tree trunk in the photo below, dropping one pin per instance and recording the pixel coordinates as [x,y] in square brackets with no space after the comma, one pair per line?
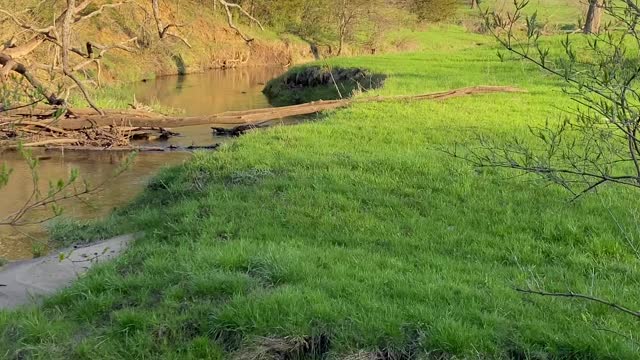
[592,20]
[59,34]
[342,26]
[227,6]
[66,45]
[156,15]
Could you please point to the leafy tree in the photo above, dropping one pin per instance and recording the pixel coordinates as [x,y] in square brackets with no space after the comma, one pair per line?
[333,23]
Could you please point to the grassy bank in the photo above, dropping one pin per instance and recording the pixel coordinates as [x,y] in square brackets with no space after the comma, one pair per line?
[353,234]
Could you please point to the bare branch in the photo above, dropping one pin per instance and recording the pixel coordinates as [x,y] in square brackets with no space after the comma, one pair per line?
[66,45]
[583,297]
[15,19]
[163,31]
[78,18]
[19,68]
[25,49]
[227,8]
[69,17]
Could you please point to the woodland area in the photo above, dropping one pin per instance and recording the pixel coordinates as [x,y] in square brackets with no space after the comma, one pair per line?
[47,60]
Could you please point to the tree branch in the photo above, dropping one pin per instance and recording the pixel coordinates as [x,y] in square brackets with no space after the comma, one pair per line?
[19,68]
[78,18]
[227,8]
[162,30]
[583,297]
[66,45]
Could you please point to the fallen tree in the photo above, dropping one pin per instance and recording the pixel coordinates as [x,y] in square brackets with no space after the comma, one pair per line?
[238,130]
[135,148]
[83,119]
[28,134]
[64,67]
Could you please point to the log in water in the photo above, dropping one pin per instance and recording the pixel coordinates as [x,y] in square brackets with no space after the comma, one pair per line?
[81,119]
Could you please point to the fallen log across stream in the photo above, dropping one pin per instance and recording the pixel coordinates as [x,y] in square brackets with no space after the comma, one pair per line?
[85,118]
[146,122]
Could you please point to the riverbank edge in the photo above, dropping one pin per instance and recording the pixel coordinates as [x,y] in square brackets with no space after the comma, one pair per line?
[223,236]
[118,91]
[315,82]
[30,281]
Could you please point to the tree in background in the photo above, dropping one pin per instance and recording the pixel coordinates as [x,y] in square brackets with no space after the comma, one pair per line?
[335,24]
[593,18]
[349,13]
[381,21]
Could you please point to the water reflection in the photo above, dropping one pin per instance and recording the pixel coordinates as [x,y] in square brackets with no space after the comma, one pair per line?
[198,94]
[212,92]
[94,167]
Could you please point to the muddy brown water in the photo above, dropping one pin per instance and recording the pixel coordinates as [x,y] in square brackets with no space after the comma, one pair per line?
[199,94]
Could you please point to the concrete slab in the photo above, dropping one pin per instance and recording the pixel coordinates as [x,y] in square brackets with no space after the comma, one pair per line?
[28,281]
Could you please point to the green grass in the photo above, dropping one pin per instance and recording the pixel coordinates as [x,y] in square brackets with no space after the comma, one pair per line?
[119,97]
[355,229]
[551,12]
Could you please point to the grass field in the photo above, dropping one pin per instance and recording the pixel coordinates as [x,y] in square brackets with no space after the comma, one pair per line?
[353,234]
[553,12]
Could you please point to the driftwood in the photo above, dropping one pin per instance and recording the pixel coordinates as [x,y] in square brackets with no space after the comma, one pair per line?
[82,119]
[238,130]
[50,142]
[40,134]
[134,148]
[82,129]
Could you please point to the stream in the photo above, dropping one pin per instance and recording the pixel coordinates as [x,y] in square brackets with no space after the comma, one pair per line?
[198,94]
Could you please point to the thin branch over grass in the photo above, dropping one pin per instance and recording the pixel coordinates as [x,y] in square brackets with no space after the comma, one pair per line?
[571,294]
[598,145]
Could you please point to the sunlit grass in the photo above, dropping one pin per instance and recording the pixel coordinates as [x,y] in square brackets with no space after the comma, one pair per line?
[356,227]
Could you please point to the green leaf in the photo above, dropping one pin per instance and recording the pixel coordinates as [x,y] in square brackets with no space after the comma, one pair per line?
[5,174]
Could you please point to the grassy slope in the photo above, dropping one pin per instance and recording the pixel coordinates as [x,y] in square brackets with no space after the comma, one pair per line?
[559,12]
[207,31]
[355,227]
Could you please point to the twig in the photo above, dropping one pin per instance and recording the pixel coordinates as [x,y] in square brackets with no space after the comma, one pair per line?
[583,297]
[21,106]
[227,8]
[629,338]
